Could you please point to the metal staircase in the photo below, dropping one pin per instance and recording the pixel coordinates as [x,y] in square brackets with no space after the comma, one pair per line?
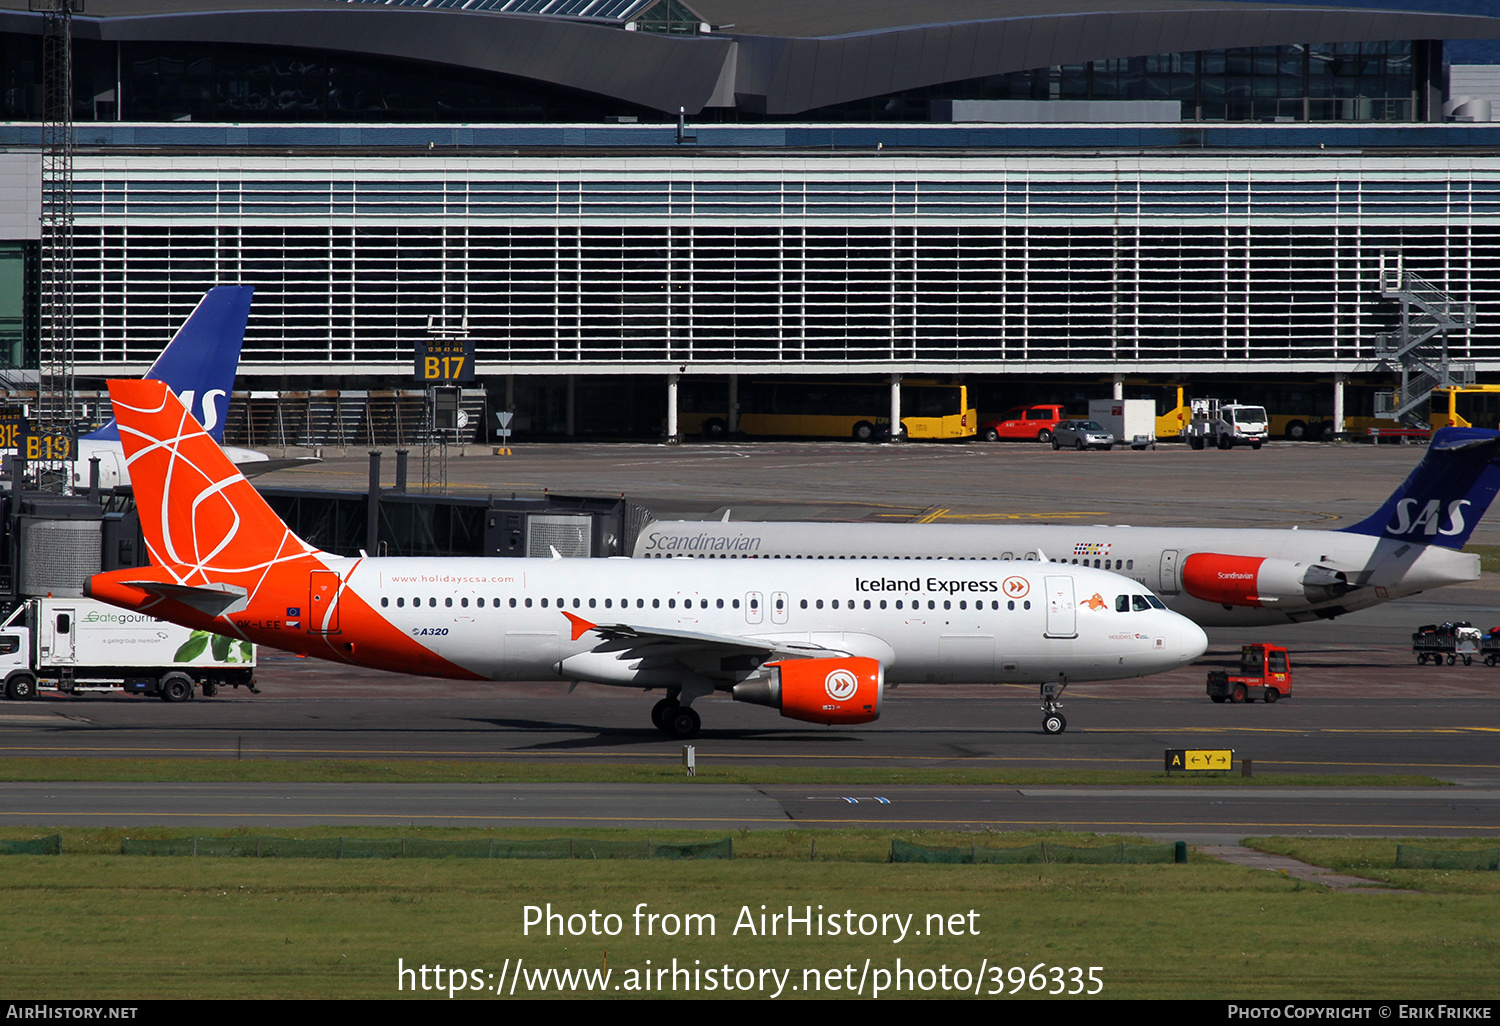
[1419,348]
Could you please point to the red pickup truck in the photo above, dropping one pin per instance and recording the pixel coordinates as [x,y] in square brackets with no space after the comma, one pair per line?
[1024,423]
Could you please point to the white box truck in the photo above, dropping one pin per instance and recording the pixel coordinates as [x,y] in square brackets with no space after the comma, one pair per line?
[1131,421]
[76,645]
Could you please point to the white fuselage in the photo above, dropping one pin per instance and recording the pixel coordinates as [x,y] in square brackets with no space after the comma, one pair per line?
[111,457]
[502,619]
[1377,570]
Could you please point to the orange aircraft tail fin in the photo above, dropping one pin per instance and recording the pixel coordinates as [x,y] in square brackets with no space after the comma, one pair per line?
[202,520]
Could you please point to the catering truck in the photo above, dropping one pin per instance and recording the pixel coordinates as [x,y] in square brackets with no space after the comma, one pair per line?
[76,645]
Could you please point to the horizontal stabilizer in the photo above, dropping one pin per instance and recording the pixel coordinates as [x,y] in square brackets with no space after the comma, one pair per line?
[258,467]
[212,599]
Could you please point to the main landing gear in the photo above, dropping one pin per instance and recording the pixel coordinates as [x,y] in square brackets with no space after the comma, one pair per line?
[1053,722]
[677,721]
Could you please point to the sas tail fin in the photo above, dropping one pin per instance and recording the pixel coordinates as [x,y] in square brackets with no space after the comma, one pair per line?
[1441,501]
[202,521]
[198,365]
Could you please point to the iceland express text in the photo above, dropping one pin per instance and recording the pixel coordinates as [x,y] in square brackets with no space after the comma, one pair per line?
[933,584]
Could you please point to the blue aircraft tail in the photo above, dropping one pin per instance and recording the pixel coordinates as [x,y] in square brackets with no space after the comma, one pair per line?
[1441,501]
[198,365]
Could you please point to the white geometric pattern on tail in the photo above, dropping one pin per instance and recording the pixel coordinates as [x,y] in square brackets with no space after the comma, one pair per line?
[201,568]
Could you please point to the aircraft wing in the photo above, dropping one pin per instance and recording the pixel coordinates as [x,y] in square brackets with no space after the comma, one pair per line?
[622,637]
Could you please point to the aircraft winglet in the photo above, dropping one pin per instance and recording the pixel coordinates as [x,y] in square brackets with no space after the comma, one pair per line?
[580,625]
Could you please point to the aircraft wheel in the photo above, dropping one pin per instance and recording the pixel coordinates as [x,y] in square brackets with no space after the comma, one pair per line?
[1272,695]
[1054,723]
[1237,696]
[21,687]
[176,687]
[660,711]
[682,723]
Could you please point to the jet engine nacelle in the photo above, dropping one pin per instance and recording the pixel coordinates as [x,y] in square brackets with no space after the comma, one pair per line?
[1258,581]
[845,690]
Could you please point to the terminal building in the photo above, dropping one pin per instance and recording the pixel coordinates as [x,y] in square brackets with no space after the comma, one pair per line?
[630,207]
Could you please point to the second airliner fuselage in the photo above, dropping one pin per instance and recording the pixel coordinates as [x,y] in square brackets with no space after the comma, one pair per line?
[1375,569]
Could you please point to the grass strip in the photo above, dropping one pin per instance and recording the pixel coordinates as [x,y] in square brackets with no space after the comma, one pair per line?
[111,927]
[1374,858]
[1489,557]
[867,845]
[665,771]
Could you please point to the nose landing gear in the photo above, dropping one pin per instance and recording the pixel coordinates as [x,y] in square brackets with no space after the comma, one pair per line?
[1053,722]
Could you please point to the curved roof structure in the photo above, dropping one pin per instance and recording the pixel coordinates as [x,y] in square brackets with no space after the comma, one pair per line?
[774,57]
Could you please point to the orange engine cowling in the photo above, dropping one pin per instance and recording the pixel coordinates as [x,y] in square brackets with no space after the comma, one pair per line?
[1259,581]
[846,690]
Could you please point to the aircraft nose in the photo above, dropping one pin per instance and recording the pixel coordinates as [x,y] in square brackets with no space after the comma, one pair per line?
[1187,640]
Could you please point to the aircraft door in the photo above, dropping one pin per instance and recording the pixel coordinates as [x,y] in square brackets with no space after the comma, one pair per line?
[1062,613]
[1168,572]
[753,611]
[779,605]
[322,602]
